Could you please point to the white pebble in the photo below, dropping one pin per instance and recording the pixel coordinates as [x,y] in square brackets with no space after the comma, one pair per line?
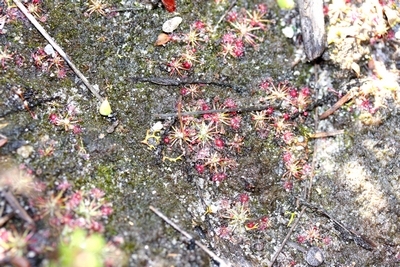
[49,50]
[171,24]
[25,151]
[397,35]
[157,126]
[288,32]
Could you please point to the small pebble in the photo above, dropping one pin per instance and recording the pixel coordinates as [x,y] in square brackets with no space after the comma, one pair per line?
[49,50]
[162,39]
[397,35]
[157,126]
[258,246]
[314,256]
[288,32]
[25,151]
[171,24]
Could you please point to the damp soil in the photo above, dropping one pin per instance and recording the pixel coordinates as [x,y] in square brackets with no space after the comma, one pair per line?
[356,173]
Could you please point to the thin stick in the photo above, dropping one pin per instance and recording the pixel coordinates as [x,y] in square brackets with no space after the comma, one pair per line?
[337,105]
[4,219]
[57,48]
[326,134]
[302,210]
[314,158]
[221,262]
[225,14]
[3,140]
[180,113]
[201,112]
[124,9]
[178,82]
[18,209]
[360,240]
[286,238]
[244,109]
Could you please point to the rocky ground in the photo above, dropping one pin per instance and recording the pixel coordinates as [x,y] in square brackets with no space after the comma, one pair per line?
[220,125]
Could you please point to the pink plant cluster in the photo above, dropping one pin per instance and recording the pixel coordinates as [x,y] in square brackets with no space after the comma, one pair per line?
[52,63]
[35,9]
[278,123]
[243,27]
[12,13]
[64,211]
[236,218]
[312,236]
[211,139]
[194,39]
[80,209]
[69,122]
[47,62]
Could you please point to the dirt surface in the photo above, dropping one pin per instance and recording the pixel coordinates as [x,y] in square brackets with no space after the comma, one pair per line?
[245,216]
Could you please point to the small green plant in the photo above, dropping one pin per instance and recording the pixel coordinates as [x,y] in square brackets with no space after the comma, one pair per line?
[81,250]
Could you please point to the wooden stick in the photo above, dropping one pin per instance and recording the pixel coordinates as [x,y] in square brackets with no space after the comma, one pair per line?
[201,112]
[286,238]
[6,218]
[312,27]
[360,240]
[221,262]
[3,140]
[337,105]
[18,209]
[224,15]
[124,9]
[58,49]
[326,134]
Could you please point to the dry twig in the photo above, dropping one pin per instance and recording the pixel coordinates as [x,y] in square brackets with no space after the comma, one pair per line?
[346,232]
[224,15]
[337,105]
[18,209]
[221,262]
[58,49]
[326,134]
[201,112]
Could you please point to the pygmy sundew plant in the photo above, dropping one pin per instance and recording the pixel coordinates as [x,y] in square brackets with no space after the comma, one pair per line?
[206,136]
[235,218]
[50,62]
[63,211]
[76,210]
[4,56]
[68,121]
[213,140]
[240,28]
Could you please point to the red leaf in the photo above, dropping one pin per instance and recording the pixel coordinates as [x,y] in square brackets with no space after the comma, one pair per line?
[169,5]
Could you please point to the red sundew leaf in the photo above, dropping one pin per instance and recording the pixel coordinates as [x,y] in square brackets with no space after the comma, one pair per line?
[169,5]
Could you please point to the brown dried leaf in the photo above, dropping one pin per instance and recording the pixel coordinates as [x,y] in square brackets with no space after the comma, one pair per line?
[162,39]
